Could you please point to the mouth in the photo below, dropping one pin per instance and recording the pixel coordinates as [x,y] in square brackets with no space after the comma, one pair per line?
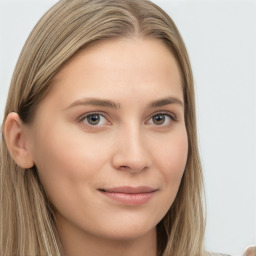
[129,195]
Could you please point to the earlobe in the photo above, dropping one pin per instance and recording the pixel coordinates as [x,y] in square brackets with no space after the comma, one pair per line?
[15,138]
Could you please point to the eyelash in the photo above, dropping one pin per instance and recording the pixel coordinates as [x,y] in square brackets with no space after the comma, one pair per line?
[84,117]
[172,117]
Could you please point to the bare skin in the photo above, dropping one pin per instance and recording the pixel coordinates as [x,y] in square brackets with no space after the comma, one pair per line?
[110,145]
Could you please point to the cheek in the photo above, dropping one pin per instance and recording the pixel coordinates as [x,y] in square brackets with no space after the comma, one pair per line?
[172,158]
[64,147]
[66,162]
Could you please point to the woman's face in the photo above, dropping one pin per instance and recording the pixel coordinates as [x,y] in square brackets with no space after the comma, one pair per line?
[110,142]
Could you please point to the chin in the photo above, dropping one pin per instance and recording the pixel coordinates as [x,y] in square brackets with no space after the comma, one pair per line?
[127,232]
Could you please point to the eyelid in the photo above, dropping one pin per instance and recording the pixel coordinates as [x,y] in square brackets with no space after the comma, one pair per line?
[170,115]
[167,113]
[85,115]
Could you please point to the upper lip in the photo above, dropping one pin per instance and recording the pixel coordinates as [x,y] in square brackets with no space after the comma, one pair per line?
[129,189]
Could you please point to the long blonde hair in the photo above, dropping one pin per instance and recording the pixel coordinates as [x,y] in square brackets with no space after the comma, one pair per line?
[27,222]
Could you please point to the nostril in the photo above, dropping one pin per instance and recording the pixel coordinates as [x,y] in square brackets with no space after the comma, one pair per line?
[132,169]
[124,167]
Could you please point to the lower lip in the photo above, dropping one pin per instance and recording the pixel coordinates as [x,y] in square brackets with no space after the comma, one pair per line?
[129,199]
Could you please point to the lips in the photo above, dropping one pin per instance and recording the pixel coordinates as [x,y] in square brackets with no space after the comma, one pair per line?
[129,195]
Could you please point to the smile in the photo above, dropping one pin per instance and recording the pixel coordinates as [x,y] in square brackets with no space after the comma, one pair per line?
[129,195]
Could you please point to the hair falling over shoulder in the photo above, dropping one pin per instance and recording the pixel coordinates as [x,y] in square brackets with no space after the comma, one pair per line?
[26,219]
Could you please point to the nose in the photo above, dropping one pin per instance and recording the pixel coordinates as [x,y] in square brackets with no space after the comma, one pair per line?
[131,151]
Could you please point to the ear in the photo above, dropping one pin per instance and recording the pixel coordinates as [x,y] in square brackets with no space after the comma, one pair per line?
[14,133]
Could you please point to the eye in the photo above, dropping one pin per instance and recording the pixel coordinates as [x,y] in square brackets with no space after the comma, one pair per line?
[161,119]
[94,119]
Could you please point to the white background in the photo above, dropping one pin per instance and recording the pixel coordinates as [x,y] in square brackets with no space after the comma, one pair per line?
[221,41]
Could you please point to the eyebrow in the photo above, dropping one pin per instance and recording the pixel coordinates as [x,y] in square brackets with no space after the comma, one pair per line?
[95,102]
[166,101]
[112,104]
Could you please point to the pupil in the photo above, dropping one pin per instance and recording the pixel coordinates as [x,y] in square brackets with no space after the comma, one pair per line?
[159,119]
[94,119]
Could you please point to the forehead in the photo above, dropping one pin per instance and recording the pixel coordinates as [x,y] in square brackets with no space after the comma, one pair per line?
[120,66]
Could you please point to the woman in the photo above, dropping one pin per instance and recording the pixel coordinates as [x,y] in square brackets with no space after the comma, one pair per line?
[99,150]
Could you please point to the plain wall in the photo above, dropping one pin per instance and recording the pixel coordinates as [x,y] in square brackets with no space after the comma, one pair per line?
[221,41]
